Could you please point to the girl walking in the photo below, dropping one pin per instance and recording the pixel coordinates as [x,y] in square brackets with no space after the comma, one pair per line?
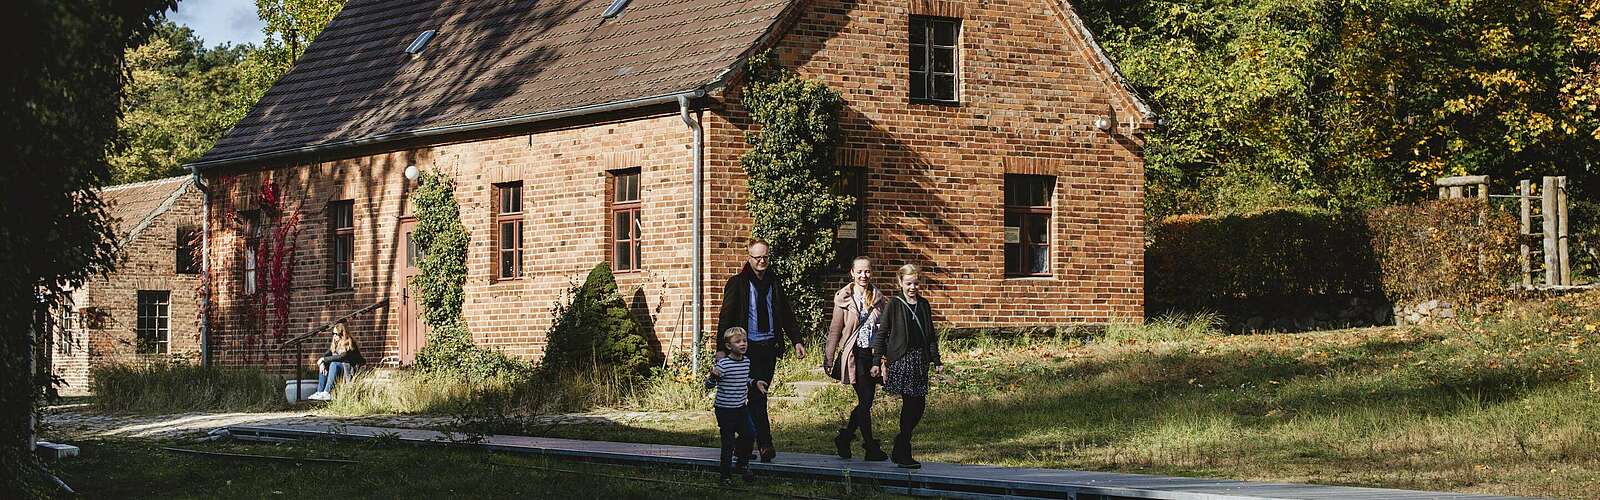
[906,346]
[848,355]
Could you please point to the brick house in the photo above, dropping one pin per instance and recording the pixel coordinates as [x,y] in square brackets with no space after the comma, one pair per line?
[990,141]
[146,308]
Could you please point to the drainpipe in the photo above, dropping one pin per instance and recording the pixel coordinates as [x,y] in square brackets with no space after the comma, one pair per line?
[699,254]
[205,263]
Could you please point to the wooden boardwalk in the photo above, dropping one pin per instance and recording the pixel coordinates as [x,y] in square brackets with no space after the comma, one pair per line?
[933,479]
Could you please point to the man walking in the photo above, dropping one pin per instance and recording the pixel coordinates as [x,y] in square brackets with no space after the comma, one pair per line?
[755,301]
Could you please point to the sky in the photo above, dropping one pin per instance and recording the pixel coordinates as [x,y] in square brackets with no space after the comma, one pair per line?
[220,21]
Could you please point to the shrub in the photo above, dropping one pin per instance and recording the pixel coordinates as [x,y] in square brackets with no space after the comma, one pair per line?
[594,329]
[1217,263]
[179,387]
[1458,250]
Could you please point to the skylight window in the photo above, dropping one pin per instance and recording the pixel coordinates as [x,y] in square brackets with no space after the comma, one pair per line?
[616,8]
[421,41]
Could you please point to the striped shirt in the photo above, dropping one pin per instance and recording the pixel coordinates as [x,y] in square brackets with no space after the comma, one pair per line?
[733,388]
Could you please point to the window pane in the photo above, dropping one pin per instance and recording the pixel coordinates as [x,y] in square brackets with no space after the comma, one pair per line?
[1038,229]
[633,187]
[919,58]
[919,85]
[944,32]
[919,30]
[508,264]
[516,197]
[619,227]
[411,251]
[944,87]
[624,257]
[1040,263]
[508,237]
[1041,192]
[1013,258]
[638,227]
[944,60]
[638,254]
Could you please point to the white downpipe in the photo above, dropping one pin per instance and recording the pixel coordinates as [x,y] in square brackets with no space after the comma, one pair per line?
[696,264]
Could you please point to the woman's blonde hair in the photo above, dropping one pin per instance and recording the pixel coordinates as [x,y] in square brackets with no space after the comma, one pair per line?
[341,341]
[872,301]
[909,270]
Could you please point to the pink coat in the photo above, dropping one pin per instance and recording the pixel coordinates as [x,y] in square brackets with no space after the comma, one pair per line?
[843,328]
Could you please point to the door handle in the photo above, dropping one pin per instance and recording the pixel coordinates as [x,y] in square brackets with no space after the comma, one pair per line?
[405,295]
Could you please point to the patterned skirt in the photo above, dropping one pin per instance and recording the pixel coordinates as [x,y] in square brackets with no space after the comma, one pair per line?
[908,376]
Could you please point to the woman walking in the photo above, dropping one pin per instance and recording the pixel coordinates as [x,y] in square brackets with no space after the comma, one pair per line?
[848,354]
[905,347]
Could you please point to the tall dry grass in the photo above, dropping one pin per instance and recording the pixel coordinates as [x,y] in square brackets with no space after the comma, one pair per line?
[182,387]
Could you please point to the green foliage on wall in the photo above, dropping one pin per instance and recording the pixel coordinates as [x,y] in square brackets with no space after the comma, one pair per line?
[440,282]
[791,171]
[594,328]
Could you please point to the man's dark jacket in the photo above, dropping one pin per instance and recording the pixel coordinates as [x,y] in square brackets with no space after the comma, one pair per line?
[736,310]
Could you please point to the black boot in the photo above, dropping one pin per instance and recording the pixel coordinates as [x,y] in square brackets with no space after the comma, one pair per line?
[842,442]
[902,453]
[874,451]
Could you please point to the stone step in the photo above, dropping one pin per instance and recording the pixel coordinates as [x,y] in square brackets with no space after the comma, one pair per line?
[53,451]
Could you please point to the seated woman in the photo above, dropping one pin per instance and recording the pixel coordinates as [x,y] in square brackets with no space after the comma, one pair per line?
[342,358]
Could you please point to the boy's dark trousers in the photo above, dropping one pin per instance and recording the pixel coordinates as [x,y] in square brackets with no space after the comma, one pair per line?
[738,431]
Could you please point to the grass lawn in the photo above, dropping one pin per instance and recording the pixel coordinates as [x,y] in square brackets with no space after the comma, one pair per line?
[1508,404]
[141,469]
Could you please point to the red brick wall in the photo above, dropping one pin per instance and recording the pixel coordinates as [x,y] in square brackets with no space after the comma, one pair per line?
[1030,90]
[148,263]
[565,205]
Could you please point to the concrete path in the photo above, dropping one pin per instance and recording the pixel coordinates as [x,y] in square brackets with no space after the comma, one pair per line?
[934,479]
[79,423]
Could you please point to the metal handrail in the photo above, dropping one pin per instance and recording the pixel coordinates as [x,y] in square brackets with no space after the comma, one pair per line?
[304,336]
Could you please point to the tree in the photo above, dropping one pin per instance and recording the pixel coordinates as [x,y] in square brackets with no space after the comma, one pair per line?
[1349,105]
[58,112]
[179,100]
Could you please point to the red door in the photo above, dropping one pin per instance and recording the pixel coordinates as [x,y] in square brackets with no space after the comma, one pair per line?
[413,332]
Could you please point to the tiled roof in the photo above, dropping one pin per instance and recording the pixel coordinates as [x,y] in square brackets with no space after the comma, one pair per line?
[133,206]
[491,60]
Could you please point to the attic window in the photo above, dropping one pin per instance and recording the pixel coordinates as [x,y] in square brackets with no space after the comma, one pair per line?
[421,41]
[615,9]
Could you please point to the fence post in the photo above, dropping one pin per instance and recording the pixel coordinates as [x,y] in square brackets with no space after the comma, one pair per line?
[1524,195]
[1548,211]
[1560,194]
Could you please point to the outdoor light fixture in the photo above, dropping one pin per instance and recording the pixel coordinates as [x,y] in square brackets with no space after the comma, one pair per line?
[1103,123]
[412,172]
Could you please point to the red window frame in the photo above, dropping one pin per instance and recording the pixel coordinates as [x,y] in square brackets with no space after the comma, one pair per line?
[508,231]
[626,228]
[342,240]
[1028,202]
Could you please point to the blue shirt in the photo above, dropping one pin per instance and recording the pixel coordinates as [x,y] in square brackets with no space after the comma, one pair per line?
[754,334]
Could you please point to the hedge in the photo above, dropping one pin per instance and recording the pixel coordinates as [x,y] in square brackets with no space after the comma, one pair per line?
[1457,250]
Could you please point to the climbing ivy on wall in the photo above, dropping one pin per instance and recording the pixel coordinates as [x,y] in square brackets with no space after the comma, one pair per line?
[440,286]
[791,170]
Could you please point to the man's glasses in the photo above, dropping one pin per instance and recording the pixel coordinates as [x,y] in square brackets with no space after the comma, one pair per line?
[763,257]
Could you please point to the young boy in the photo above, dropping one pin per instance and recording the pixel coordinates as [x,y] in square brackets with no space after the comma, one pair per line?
[732,376]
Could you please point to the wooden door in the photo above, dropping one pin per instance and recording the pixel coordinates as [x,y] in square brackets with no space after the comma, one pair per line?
[413,331]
